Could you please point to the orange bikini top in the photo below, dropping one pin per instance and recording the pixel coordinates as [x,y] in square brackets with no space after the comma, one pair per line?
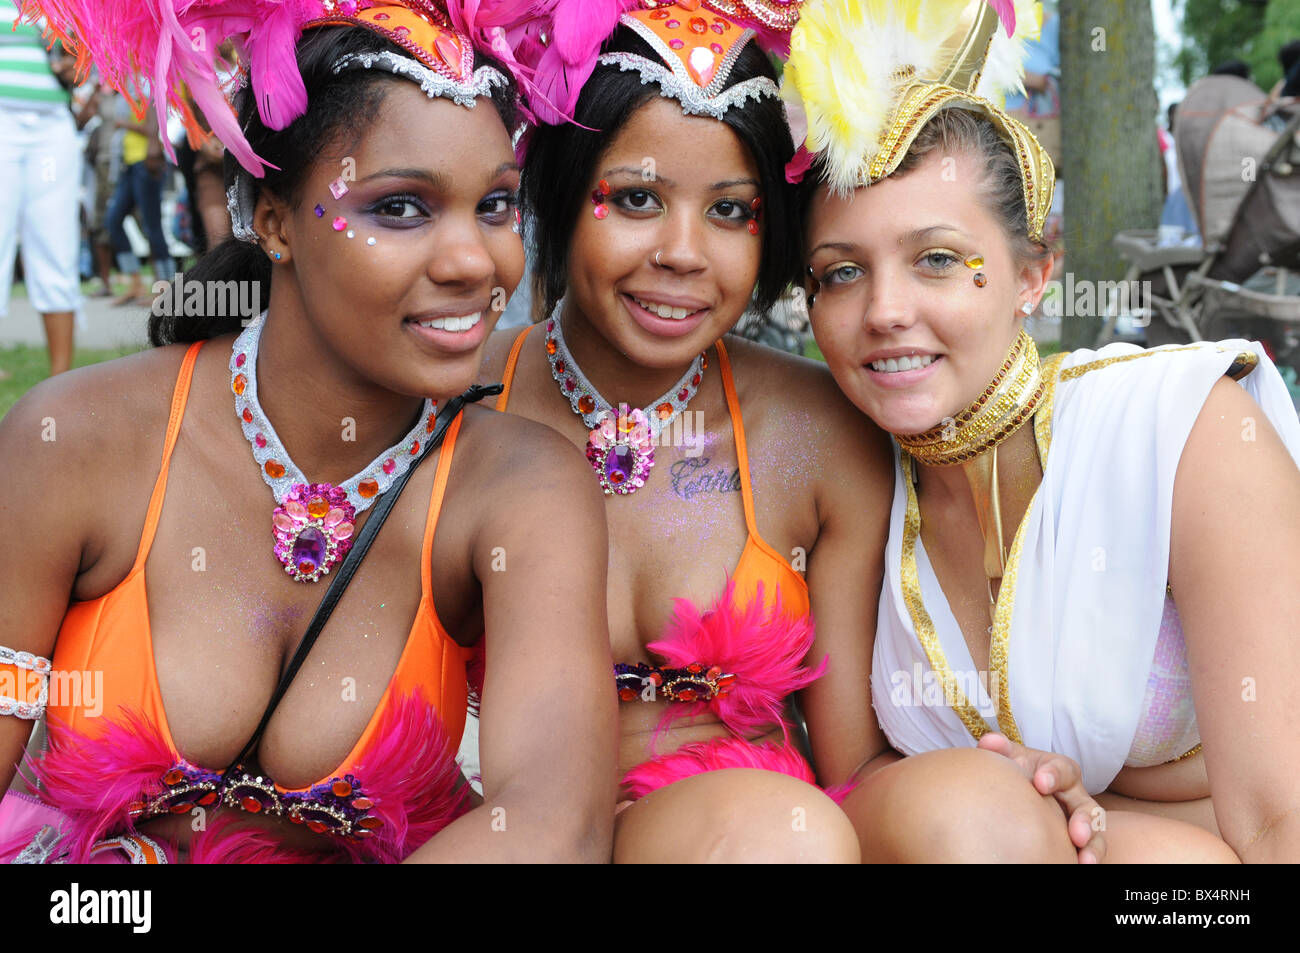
[760,565]
[111,635]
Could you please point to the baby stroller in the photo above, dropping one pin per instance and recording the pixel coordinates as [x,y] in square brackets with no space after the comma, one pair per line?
[1239,157]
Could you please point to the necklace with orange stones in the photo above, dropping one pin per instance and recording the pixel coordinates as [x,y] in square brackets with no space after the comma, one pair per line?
[314,522]
[620,446]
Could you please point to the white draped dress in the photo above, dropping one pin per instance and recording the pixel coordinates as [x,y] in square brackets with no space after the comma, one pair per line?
[1086,653]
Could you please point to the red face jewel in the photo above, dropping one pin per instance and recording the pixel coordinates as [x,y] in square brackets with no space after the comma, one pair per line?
[449,50]
[600,211]
[752,226]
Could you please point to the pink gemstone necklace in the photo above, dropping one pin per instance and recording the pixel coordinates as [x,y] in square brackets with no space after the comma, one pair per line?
[621,444]
[313,522]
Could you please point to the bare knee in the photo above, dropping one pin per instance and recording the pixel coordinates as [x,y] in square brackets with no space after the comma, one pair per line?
[957,805]
[738,815]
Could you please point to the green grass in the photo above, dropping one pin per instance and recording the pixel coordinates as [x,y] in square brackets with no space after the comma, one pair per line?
[28,366]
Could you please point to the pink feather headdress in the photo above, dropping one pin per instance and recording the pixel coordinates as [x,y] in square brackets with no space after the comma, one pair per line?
[556,43]
[159,48]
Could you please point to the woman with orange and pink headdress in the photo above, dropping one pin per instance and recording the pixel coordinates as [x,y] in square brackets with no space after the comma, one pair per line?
[243,467]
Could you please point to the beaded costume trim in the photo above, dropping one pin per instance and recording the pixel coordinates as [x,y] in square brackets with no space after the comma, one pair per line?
[693,683]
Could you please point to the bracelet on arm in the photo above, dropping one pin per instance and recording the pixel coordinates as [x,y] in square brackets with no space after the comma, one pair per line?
[15,694]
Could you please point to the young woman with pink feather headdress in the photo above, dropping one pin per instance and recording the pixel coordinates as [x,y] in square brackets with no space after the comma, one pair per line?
[241,468]
[1091,558]
[738,482]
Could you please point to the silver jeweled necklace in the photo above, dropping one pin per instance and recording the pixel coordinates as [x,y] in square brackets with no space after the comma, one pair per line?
[620,446]
[313,523]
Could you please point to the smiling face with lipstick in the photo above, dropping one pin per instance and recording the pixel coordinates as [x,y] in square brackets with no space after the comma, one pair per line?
[660,213]
[672,265]
[919,288]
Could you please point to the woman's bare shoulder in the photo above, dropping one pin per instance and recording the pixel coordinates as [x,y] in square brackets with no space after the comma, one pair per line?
[104,415]
[799,397]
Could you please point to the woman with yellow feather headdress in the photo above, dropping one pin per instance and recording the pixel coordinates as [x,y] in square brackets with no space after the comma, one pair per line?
[1077,574]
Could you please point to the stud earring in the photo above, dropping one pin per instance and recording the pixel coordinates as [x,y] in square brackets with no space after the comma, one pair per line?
[1027,308]
[277,255]
[598,198]
[754,208]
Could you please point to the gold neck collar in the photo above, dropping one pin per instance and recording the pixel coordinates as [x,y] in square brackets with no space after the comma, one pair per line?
[1000,410]
[971,440]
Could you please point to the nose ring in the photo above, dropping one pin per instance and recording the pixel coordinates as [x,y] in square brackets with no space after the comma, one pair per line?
[657,261]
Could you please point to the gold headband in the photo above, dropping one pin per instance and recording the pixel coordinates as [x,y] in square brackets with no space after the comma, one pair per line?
[869,75]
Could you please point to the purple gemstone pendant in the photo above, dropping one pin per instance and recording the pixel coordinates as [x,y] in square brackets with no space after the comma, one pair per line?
[621,451]
[313,530]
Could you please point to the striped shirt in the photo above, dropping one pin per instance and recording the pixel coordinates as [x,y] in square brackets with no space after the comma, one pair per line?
[26,79]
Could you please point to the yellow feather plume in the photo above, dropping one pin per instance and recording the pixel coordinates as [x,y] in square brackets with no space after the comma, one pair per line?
[852,60]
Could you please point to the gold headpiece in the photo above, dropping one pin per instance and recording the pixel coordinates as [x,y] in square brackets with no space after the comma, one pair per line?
[869,74]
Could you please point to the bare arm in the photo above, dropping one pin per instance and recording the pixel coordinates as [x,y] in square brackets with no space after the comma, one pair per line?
[549,723]
[1234,566]
[42,442]
[844,575]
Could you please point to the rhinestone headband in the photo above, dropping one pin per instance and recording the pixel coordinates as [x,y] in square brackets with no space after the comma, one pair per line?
[239,196]
[697,57]
[434,84]
[695,100]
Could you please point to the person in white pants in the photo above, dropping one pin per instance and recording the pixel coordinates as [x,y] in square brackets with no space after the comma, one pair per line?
[40,164]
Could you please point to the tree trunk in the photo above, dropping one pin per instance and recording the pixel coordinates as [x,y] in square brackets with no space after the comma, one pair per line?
[1111,160]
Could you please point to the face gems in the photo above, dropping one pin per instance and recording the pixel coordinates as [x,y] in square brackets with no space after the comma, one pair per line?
[338,188]
[980,279]
[598,198]
[370,240]
[351,233]
[340,223]
[314,522]
[518,226]
[620,446]
[319,210]
[755,209]
[976,262]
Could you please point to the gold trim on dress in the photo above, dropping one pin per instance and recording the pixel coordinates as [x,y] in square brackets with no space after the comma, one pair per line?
[1004,607]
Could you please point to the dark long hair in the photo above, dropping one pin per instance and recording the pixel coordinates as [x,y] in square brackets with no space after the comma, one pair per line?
[339,106]
[561,160]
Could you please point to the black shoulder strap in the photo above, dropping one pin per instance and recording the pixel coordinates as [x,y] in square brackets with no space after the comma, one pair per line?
[349,567]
